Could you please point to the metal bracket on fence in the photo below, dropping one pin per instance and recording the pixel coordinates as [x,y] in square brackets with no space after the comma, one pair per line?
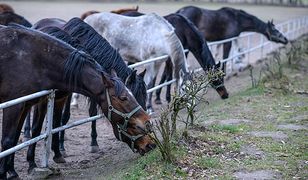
[48,128]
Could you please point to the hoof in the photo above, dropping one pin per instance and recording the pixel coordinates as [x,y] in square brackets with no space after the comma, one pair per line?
[59,160]
[42,173]
[94,149]
[158,101]
[64,153]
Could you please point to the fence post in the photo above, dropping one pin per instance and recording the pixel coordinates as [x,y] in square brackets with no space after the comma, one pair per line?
[48,128]
[249,46]
[262,45]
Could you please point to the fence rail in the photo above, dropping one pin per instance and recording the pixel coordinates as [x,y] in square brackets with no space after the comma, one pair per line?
[292,29]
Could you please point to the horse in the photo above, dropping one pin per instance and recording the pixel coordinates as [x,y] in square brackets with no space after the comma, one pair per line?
[141,38]
[48,63]
[104,54]
[192,40]
[5,8]
[11,17]
[228,22]
[119,11]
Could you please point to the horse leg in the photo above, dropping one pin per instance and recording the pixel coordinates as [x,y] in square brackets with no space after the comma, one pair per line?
[11,171]
[59,104]
[168,91]
[10,126]
[151,85]
[226,52]
[37,123]
[65,117]
[93,112]
[162,80]
[27,134]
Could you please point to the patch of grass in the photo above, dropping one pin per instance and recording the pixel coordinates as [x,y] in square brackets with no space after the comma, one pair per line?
[234,146]
[208,162]
[228,128]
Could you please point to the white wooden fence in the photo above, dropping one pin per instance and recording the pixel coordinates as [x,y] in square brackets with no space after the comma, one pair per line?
[291,29]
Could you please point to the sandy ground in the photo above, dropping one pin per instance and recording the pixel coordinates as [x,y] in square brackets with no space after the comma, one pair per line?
[113,154]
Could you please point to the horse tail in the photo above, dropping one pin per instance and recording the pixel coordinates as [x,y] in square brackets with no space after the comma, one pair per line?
[177,55]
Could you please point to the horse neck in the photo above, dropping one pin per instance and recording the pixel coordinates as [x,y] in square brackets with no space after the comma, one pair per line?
[89,80]
[251,23]
[197,45]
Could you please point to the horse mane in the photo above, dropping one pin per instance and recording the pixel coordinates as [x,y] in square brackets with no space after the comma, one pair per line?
[88,13]
[5,8]
[123,10]
[74,63]
[64,36]
[98,47]
[204,50]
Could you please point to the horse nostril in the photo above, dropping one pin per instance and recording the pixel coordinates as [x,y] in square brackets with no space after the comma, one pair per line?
[225,96]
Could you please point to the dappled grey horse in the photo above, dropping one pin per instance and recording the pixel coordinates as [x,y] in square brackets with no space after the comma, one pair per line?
[141,38]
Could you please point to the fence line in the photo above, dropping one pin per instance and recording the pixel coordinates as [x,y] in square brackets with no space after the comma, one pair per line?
[295,28]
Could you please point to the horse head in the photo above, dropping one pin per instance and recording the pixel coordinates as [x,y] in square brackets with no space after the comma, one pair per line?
[273,34]
[218,82]
[136,84]
[131,124]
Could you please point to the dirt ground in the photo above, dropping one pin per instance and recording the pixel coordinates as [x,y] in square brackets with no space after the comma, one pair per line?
[113,154]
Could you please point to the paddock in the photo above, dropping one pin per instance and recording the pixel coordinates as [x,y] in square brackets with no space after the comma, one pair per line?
[114,154]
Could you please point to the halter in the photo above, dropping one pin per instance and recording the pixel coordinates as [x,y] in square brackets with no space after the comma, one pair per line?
[218,86]
[123,128]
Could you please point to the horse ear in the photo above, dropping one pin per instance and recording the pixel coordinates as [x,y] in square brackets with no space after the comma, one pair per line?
[106,79]
[143,73]
[272,21]
[131,78]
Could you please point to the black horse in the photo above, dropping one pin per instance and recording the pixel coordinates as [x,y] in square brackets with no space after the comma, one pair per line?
[11,17]
[228,22]
[106,56]
[48,63]
[192,40]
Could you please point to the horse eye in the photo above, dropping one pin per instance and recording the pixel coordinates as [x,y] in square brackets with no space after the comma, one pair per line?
[123,98]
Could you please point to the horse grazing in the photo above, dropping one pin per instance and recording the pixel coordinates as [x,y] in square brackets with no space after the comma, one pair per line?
[141,38]
[5,8]
[48,63]
[228,22]
[11,17]
[90,41]
[192,40]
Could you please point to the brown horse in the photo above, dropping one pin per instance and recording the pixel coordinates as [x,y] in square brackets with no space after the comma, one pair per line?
[48,63]
[5,8]
[118,11]
[10,17]
[228,22]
